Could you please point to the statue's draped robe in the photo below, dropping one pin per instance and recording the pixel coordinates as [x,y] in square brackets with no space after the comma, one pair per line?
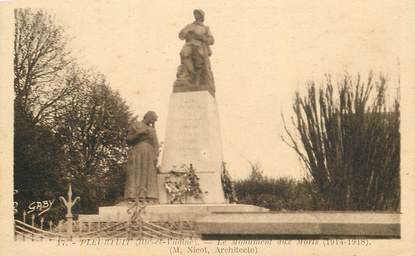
[141,165]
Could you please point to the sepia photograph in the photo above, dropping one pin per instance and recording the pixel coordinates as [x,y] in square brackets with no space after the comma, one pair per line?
[208,127]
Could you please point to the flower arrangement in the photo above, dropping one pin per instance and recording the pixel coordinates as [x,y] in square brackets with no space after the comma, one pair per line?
[228,185]
[182,183]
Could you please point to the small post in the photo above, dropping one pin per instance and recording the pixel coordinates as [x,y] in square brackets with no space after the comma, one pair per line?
[24,216]
[33,224]
[41,222]
[51,226]
[128,228]
[179,225]
[80,224]
[60,226]
[69,204]
[141,228]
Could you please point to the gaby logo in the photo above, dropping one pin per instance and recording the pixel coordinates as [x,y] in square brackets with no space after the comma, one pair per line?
[40,206]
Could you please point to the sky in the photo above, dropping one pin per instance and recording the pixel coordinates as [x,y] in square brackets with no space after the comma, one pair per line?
[264,52]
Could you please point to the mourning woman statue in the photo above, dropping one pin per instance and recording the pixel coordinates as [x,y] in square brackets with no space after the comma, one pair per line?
[142,159]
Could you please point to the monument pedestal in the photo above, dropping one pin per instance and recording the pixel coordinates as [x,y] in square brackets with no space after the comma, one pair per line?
[193,137]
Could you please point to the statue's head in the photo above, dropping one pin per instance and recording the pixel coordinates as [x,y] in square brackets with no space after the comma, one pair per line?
[199,15]
[150,118]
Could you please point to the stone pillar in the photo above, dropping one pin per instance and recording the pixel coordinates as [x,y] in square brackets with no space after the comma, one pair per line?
[193,137]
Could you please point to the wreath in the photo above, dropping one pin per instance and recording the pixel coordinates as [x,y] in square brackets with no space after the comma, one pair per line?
[182,183]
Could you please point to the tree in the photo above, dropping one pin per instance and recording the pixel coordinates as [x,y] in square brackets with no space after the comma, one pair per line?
[274,193]
[69,124]
[349,142]
[40,60]
[37,168]
[92,129]
[256,171]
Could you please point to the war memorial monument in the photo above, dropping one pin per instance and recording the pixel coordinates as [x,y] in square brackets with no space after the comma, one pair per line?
[188,184]
[192,150]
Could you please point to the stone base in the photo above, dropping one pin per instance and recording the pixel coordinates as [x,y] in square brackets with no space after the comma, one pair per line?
[179,87]
[296,225]
[169,212]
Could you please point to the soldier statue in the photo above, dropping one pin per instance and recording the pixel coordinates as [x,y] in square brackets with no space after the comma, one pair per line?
[195,73]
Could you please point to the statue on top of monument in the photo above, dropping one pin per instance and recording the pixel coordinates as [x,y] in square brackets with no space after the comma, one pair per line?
[194,73]
[141,176]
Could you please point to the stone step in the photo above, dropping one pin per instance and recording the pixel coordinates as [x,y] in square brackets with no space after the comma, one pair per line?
[170,212]
[299,225]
